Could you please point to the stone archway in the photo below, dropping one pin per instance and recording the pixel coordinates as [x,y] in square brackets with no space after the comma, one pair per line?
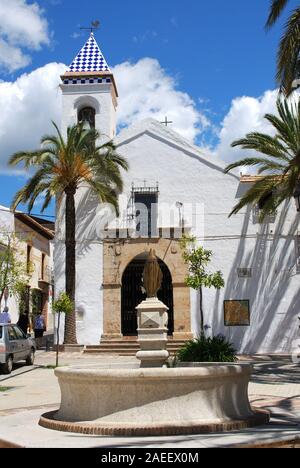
[132,294]
[117,255]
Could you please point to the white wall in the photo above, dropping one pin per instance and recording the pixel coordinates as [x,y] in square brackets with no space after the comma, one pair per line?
[89,294]
[89,271]
[185,175]
[75,97]
[236,242]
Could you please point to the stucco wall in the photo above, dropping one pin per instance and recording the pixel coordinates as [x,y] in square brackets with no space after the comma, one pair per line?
[187,176]
[100,97]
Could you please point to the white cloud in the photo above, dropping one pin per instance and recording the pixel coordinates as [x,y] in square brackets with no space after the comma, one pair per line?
[33,100]
[22,26]
[245,115]
[30,103]
[146,90]
[12,58]
[27,107]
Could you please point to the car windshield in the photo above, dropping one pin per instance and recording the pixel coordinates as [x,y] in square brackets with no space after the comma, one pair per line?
[1,328]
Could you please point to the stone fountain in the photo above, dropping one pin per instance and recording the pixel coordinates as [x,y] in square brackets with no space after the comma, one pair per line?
[153,399]
[152,318]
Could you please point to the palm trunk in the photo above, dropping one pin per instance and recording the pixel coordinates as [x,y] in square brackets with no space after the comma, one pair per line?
[6,271]
[70,219]
[57,338]
[1,295]
[201,311]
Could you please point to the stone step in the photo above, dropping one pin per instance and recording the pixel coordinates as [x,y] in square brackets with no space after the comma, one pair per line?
[123,348]
[115,352]
[121,345]
[127,347]
[128,344]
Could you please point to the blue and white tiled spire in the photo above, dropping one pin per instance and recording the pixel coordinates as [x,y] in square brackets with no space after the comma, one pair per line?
[90,59]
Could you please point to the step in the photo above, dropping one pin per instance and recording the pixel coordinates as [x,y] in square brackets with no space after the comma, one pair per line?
[124,345]
[172,346]
[130,343]
[120,351]
[127,347]
[117,353]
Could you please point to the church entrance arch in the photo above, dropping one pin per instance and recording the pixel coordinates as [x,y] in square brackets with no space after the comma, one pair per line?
[133,294]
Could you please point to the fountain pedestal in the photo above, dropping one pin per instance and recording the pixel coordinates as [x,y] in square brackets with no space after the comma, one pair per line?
[152,333]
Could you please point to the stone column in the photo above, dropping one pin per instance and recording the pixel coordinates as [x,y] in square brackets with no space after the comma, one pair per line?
[111,312]
[182,312]
[152,333]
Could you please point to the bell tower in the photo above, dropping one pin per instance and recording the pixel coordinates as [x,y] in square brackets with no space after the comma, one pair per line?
[89,92]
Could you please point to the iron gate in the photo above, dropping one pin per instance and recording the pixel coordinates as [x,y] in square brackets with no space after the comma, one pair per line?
[133,294]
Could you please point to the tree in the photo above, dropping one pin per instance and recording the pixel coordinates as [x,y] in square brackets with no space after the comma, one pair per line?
[288,56]
[198,259]
[62,305]
[62,165]
[14,272]
[280,170]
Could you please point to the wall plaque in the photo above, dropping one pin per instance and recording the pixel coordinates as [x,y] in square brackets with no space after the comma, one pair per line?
[237,313]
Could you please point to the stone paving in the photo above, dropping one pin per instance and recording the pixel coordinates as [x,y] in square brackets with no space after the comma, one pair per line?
[275,386]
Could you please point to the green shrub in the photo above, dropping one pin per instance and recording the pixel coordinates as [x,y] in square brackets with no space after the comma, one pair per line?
[202,349]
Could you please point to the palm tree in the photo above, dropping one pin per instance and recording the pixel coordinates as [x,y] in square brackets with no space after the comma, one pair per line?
[279,168]
[61,166]
[288,57]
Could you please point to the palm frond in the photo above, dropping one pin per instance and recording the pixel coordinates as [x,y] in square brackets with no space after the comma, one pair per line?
[262,143]
[276,9]
[259,190]
[280,170]
[62,163]
[28,158]
[252,161]
[288,54]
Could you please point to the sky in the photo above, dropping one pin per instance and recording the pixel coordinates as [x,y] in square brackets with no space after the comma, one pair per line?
[209,65]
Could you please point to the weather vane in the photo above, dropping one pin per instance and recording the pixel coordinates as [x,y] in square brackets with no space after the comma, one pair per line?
[94,26]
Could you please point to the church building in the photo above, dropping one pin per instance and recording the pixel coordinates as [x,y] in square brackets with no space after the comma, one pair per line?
[177,187]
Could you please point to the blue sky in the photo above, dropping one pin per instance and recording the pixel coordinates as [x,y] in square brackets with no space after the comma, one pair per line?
[218,49]
[215,51]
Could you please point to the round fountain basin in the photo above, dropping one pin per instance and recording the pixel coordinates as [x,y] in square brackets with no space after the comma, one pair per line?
[127,402]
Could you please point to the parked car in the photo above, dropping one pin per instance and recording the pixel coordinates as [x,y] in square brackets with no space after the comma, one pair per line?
[15,346]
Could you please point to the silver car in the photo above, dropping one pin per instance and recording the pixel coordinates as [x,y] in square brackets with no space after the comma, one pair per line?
[15,346]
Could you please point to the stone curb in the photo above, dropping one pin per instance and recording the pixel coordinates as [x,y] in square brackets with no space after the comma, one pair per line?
[8,445]
[47,421]
[283,443]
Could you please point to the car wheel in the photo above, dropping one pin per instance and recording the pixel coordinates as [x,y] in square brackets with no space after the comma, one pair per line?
[30,358]
[8,366]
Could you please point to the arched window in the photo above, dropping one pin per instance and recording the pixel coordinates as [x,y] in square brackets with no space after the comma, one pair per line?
[86,115]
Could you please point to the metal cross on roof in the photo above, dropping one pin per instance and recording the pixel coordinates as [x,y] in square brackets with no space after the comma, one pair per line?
[166,122]
[94,26]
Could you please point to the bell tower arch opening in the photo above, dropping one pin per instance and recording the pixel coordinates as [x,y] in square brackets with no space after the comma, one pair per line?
[87,117]
[133,293]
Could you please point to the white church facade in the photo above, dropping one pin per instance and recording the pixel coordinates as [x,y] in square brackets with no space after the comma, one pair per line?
[182,189]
